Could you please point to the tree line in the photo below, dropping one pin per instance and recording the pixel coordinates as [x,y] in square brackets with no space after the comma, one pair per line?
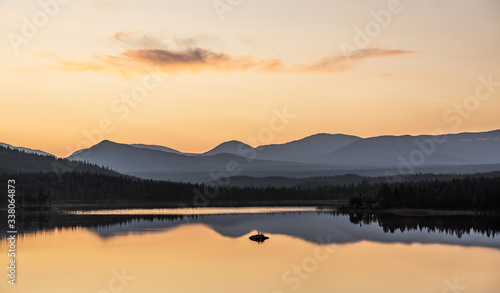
[40,190]
[478,193]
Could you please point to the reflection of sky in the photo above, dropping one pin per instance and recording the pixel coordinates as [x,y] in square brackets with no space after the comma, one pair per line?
[194,211]
[172,256]
[309,226]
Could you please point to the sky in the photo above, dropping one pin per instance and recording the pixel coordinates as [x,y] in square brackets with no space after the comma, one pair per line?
[190,74]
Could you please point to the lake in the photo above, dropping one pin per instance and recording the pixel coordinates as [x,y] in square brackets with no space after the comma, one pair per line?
[209,250]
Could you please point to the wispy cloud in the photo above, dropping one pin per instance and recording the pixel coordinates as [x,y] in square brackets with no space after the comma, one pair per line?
[144,51]
[337,63]
[198,59]
[172,61]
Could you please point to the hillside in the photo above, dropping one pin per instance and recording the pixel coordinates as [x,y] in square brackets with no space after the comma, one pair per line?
[14,161]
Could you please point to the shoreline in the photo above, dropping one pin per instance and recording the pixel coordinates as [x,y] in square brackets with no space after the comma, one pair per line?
[406,212]
[166,205]
[322,206]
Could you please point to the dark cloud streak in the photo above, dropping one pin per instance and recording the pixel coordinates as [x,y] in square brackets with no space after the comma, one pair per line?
[198,59]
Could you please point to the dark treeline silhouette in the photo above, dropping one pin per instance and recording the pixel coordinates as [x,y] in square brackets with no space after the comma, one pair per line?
[91,188]
[39,190]
[345,179]
[35,201]
[478,193]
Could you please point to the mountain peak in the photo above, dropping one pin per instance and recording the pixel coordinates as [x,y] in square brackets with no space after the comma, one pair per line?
[232,142]
[102,144]
[230,147]
[105,141]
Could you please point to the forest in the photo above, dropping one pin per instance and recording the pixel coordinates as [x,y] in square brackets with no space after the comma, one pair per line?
[41,190]
[45,181]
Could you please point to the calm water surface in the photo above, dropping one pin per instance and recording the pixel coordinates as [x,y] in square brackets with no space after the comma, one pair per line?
[209,250]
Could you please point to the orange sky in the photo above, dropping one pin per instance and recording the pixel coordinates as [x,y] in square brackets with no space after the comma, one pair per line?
[188,76]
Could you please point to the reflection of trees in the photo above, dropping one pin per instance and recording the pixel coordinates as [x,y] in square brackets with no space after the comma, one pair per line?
[40,221]
[362,219]
[390,223]
[453,225]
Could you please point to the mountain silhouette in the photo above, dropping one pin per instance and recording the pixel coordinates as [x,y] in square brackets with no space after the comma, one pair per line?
[316,155]
[229,147]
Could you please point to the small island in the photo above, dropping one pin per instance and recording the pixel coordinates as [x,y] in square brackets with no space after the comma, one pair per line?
[259,237]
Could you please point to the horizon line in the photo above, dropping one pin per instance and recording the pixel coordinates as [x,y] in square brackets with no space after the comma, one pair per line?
[235,140]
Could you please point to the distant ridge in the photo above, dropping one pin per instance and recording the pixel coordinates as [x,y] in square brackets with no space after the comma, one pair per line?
[456,149]
[156,148]
[320,154]
[316,155]
[306,150]
[156,164]
[27,150]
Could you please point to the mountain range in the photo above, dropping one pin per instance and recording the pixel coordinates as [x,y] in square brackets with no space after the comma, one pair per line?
[316,155]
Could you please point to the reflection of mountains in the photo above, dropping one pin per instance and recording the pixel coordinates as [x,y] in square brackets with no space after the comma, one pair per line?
[316,227]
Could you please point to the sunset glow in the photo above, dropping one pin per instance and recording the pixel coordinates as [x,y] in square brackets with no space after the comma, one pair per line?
[190,74]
